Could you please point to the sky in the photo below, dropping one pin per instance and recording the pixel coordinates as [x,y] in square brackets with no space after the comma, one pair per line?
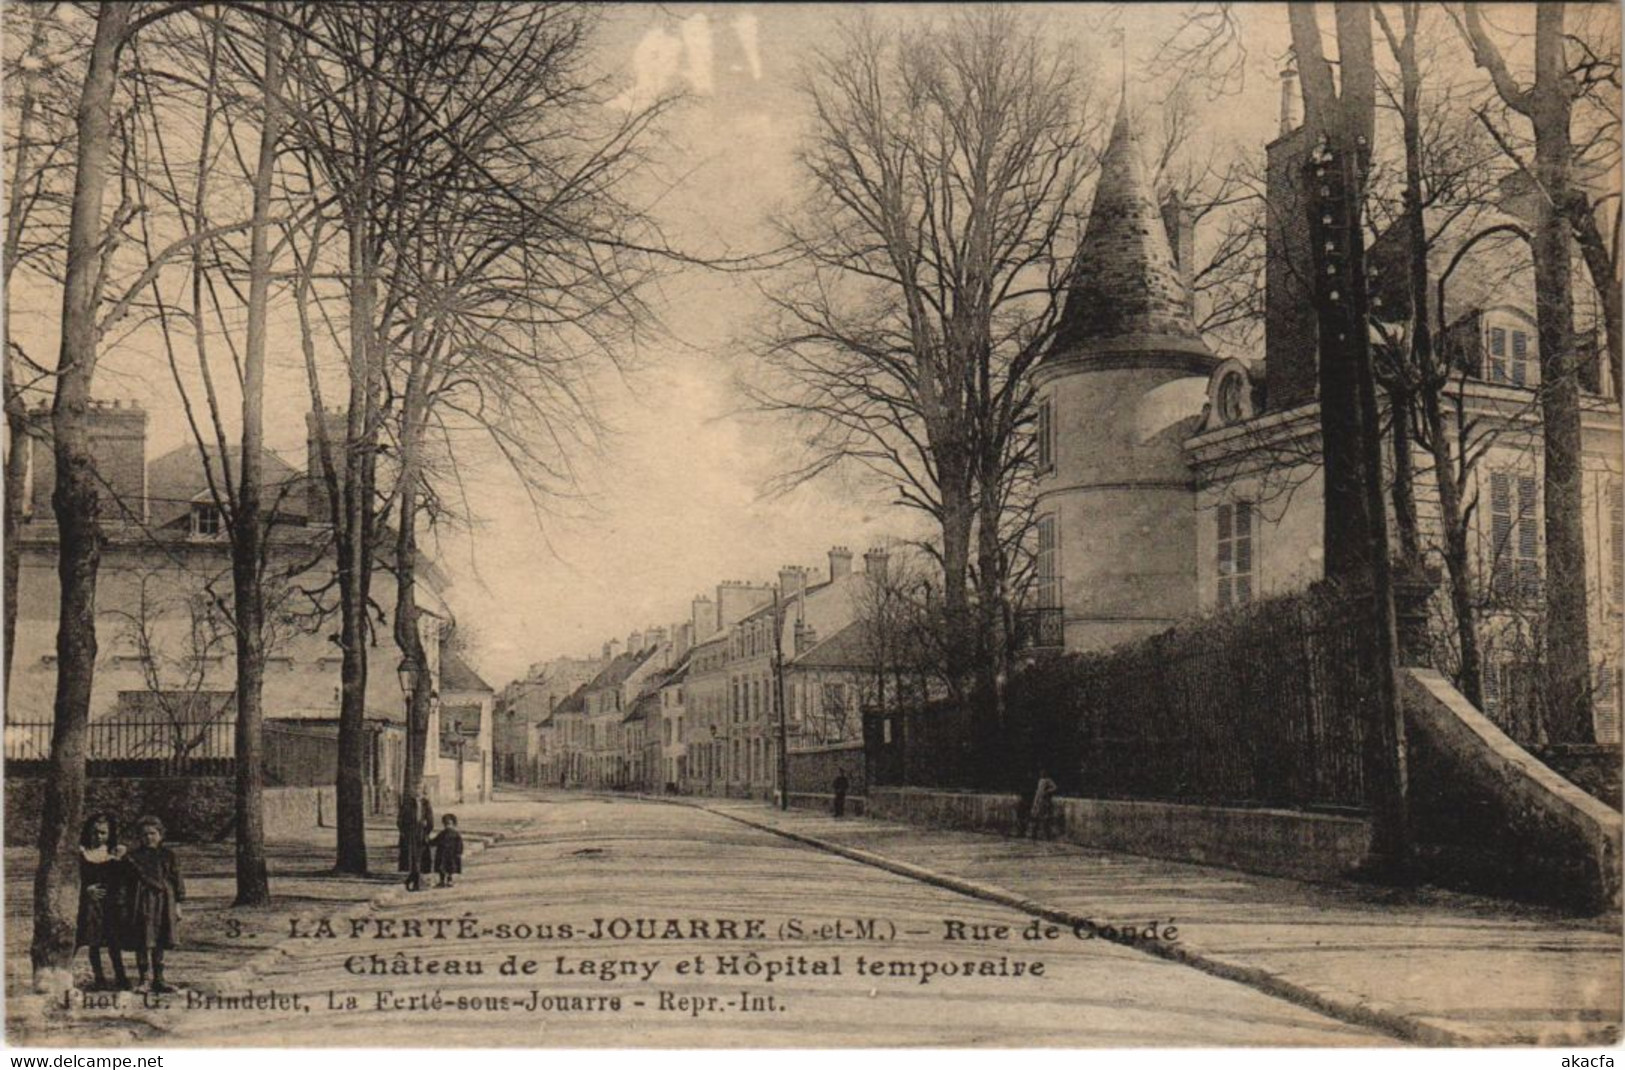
[678,503]
[676,500]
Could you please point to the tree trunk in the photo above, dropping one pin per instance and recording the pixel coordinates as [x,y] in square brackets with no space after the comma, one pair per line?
[1355,519]
[249,532]
[17,442]
[16,406]
[1458,564]
[958,519]
[1403,490]
[1338,122]
[355,552]
[1568,647]
[79,530]
[1604,272]
[992,659]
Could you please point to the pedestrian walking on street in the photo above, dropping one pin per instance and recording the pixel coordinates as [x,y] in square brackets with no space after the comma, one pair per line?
[104,888]
[156,893]
[415,823]
[448,852]
[1024,811]
[1042,823]
[841,787]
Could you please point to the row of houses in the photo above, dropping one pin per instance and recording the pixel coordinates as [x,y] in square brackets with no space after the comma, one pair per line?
[695,706]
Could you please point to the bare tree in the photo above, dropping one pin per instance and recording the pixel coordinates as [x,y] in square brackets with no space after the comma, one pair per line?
[40,134]
[177,675]
[944,163]
[1340,120]
[76,503]
[1446,180]
[1547,104]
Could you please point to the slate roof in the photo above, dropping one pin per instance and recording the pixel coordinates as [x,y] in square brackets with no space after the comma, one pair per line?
[615,673]
[574,702]
[175,479]
[646,708]
[845,649]
[1127,294]
[458,675]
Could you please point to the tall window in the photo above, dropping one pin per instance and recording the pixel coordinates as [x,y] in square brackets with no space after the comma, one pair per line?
[1044,436]
[1514,536]
[1235,553]
[1049,580]
[1508,356]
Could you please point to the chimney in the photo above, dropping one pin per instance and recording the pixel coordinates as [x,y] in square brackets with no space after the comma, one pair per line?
[1290,118]
[840,562]
[1181,226]
[612,650]
[654,636]
[806,637]
[317,507]
[118,450]
[736,600]
[634,642]
[703,613]
[874,562]
[792,581]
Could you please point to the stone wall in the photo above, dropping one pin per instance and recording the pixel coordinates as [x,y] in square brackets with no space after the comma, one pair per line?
[813,769]
[1280,842]
[1490,817]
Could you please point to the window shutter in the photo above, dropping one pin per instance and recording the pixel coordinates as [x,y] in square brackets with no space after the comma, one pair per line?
[1500,531]
[1528,540]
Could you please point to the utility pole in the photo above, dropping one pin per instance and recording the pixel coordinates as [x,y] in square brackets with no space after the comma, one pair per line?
[778,696]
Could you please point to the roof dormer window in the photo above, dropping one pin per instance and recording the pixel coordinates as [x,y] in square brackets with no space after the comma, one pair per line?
[1507,353]
[206,521]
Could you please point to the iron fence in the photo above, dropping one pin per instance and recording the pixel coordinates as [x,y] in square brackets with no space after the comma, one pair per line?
[124,746]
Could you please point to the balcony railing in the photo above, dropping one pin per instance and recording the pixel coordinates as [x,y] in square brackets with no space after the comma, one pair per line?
[1041,628]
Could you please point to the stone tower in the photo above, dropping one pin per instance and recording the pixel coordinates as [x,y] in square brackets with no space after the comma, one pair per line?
[1119,391]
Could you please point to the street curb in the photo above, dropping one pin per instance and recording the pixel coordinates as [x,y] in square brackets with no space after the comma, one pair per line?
[1368,1015]
[388,895]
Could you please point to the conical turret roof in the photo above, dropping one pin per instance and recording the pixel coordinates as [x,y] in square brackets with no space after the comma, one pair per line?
[1127,294]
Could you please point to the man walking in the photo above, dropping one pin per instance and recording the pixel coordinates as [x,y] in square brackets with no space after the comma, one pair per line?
[1042,822]
[415,822]
[841,785]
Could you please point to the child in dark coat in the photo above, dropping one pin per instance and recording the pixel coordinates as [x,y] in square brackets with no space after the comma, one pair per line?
[156,892]
[448,851]
[103,897]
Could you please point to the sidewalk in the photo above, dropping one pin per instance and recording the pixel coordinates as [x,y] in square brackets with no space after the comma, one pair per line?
[209,958]
[1428,966]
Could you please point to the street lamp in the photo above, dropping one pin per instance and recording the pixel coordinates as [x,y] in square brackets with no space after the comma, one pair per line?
[408,672]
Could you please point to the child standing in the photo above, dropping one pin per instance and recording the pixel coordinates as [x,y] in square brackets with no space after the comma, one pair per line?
[156,893]
[103,893]
[448,851]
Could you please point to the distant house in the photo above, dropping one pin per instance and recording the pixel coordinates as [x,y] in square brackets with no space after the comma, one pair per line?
[525,736]
[166,654]
[462,723]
